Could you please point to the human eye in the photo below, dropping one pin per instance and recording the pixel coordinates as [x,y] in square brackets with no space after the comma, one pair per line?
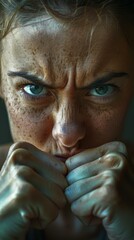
[35,90]
[103,92]
[35,93]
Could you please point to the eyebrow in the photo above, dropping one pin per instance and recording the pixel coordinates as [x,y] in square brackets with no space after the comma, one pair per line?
[29,76]
[38,80]
[106,78]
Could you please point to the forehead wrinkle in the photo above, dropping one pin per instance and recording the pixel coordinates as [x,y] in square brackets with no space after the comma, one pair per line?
[64,48]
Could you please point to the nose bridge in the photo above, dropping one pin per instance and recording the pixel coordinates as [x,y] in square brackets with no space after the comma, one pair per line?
[70,111]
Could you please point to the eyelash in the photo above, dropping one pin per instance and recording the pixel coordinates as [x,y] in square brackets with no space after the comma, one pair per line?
[31,97]
[50,94]
[114,87]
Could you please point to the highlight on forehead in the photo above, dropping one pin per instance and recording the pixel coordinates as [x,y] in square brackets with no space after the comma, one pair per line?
[14,13]
[20,12]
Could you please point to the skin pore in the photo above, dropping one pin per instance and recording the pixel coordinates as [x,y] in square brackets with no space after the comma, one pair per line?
[80,86]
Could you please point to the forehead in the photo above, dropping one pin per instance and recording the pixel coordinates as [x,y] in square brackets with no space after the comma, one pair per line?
[88,43]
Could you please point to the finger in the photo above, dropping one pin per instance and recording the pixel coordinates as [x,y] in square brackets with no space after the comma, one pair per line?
[48,188]
[27,206]
[40,214]
[46,170]
[99,199]
[43,156]
[90,155]
[91,204]
[81,187]
[88,170]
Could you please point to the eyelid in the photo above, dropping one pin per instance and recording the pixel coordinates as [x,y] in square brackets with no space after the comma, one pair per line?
[24,77]
[26,82]
[115,90]
[102,85]
[30,85]
[112,76]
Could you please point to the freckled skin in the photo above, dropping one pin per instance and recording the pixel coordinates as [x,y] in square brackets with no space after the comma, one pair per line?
[67,61]
[66,57]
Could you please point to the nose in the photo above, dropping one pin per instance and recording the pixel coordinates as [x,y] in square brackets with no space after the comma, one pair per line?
[68,129]
[68,134]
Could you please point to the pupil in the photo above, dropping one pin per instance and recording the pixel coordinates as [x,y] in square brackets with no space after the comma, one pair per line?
[102,90]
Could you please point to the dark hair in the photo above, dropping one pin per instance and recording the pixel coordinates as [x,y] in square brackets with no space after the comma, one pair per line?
[24,10]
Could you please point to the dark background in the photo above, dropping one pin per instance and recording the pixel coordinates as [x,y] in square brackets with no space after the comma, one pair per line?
[5,136]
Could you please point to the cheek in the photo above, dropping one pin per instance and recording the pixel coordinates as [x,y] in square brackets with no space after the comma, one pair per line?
[106,126]
[29,124]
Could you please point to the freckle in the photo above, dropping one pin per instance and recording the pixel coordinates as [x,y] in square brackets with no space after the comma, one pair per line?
[34,52]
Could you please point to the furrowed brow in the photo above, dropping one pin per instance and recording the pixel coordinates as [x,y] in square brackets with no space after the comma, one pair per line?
[106,78]
[29,76]
[38,80]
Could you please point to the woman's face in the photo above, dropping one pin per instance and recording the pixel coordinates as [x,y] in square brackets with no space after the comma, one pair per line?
[67,85]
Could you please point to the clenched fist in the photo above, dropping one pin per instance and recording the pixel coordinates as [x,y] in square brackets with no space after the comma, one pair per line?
[101,183]
[32,187]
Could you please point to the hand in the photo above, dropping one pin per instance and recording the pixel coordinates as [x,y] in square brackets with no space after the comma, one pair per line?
[31,190]
[101,185]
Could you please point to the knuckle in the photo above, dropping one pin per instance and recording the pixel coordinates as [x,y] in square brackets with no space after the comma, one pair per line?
[109,178]
[106,175]
[24,173]
[68,162]
[22,192]
[23,212]
[69,177]
[114,160]
[17,145]
[74,191]
[106,192]
[17,150]
[122,148]
[80,186]
[29,190]
[110,186]
[15,155]
[18,155]
[13,147]
[113,146]
[75,208]
[68,193]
